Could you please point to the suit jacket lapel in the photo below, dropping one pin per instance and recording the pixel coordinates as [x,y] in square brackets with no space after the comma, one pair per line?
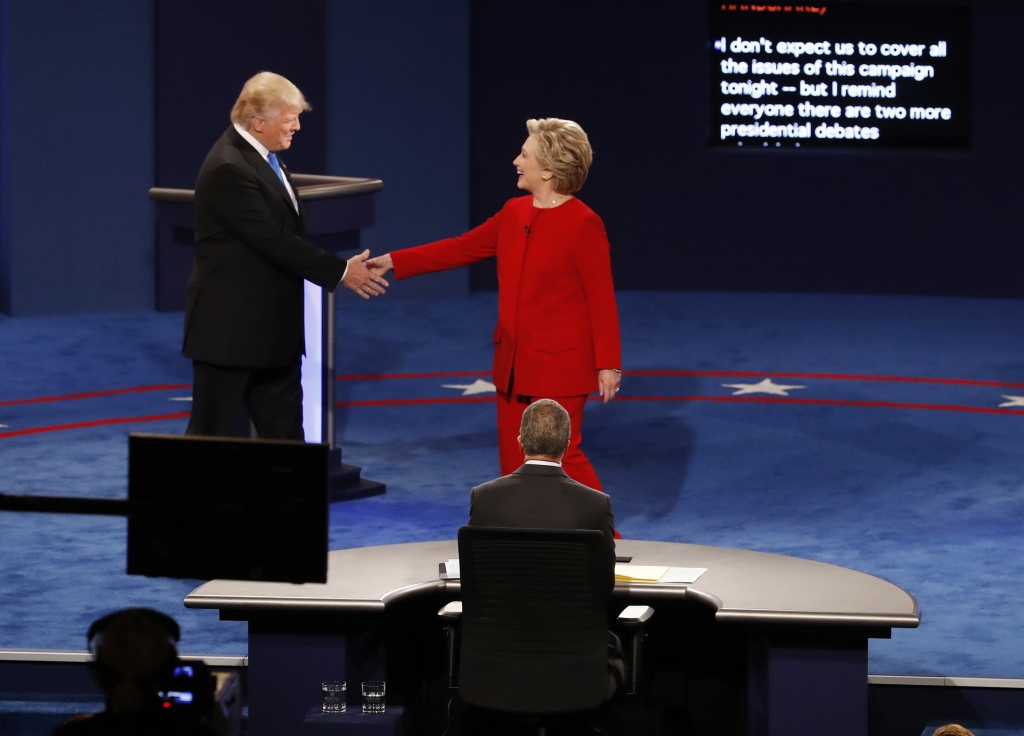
[264,171]
[298,199]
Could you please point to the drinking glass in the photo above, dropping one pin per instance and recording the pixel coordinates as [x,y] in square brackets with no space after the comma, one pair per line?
[373,696]
[334,692]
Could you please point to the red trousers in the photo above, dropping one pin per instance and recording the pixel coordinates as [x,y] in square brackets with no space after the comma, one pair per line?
[510,417]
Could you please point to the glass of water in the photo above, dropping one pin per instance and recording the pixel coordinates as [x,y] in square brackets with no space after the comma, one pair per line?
[373,696]
[334,692]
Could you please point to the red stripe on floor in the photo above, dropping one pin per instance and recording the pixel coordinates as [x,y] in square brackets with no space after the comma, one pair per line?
[490,399]
[477,374]
[94,394]
[408,402]
[831,376]
[96,423]
[820,402]
[381,376]
[724,399]
[717,374]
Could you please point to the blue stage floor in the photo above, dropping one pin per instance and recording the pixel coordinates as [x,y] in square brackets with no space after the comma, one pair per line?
[918,481]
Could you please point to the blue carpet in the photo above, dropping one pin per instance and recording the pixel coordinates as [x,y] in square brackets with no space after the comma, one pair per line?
[929,498]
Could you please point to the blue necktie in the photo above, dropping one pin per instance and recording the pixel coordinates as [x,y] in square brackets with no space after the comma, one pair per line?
[272,160]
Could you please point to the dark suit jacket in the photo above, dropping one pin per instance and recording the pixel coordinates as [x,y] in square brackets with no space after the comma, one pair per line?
[245,299]
[543,497]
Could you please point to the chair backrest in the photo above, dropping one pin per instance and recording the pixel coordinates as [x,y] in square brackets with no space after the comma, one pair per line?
[535,619]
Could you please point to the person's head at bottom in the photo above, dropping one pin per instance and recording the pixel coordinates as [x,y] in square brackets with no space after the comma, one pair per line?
[136,664]
[133,651]
[952,729]
[544,432]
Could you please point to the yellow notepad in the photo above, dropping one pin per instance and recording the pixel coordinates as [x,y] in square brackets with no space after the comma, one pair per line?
[639,573]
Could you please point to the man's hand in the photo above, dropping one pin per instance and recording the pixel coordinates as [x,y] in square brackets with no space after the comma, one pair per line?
[608,383]
[362,280]
[380,265]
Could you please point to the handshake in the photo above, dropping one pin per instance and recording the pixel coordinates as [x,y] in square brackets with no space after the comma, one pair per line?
[365,275]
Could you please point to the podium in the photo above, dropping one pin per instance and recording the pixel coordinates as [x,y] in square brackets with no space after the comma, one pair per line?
[337,209]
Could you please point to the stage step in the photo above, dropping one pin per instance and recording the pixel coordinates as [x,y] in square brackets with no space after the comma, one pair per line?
[347,484]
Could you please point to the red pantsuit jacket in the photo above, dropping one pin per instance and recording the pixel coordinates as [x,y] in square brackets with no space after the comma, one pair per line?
[557,318]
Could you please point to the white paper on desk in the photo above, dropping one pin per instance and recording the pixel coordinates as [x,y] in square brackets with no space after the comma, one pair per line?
[682,574]
[451,568]
[639,573]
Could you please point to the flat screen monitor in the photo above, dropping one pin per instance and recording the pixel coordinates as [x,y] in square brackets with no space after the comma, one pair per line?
[229,508]
[850,76]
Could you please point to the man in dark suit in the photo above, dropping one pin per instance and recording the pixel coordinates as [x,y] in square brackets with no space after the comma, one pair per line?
[539,495]
[244,326]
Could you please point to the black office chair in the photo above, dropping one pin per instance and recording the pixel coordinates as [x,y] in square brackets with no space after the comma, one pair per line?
[534,615]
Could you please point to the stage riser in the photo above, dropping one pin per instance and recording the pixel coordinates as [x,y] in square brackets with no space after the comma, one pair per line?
[893,710]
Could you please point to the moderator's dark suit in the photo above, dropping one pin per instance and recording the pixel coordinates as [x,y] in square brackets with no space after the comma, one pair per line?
[244,307]
[543,497]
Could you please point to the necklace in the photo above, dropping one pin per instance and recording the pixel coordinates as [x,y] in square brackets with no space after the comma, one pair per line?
[555,202]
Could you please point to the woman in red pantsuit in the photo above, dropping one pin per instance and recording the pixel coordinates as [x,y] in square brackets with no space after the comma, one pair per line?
[557,335]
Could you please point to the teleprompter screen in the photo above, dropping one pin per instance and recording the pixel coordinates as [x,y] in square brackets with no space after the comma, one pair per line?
[835,75]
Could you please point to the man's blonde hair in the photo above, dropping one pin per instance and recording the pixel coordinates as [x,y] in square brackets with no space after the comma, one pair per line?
[263,96]
[564,150]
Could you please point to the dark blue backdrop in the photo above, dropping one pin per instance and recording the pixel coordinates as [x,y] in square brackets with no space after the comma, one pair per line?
[206,49]
[681,216]
[100,102]
[398,109]
[76,156]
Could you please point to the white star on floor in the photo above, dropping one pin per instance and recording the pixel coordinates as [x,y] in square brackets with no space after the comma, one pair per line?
[3,425]
[1013,401]
[180,398]
[477,387]
[765,387]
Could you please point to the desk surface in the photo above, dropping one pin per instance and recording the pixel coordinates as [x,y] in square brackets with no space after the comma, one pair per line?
[742,586]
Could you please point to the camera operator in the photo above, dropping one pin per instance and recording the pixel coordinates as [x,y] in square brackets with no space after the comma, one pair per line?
[148,689]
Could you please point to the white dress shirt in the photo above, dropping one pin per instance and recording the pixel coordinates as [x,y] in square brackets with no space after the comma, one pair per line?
[543,462]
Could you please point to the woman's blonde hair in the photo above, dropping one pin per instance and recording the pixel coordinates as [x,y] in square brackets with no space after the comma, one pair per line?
[564,150]
[952,729]
[263,96]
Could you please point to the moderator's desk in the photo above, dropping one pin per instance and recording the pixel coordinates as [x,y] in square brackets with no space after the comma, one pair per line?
[761,643]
